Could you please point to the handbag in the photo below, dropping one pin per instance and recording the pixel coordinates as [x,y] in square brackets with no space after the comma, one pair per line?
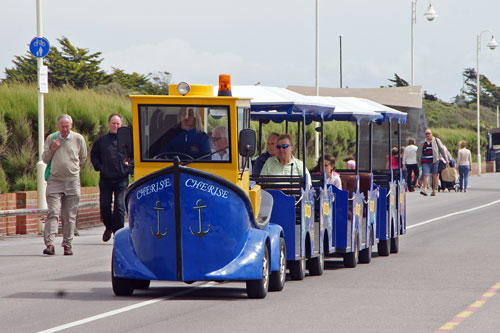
[47,168]
[449,174]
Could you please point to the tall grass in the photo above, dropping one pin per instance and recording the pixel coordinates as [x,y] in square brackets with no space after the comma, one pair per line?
[19,127]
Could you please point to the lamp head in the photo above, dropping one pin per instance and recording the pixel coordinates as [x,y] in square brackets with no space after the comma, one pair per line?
[492,44]
[430,14]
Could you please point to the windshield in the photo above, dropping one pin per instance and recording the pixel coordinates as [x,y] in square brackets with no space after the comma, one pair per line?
[191,132]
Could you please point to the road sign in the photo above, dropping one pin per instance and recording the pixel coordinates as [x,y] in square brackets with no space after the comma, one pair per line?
[39,47]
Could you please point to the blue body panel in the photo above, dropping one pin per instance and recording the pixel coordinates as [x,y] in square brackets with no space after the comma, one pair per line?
[284,214]
[188,225]
[340,218]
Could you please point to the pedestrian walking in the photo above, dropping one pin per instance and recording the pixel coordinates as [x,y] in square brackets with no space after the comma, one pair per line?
[428,155]
[411,165]
[113,167]
[464,162]
[65,151]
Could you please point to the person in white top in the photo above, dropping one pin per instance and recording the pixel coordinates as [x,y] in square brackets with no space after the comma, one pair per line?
[464,162]
[410,164]
[221,145]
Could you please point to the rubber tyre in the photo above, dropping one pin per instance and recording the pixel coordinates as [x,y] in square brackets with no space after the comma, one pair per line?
[121,286]
[365,255]
[298,269]
[141,284]
[278,278]
[395,244]
[316,265]
[384,247]
[351,259]
[258,288]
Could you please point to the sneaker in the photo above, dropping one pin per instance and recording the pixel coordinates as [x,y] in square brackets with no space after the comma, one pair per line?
[67,250]
[49,250]
[433,194]
[106,236]
[423,193]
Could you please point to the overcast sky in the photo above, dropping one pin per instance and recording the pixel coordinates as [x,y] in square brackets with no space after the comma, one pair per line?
[268,41]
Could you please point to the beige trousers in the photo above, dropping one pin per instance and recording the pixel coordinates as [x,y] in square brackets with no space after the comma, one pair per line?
[67,207]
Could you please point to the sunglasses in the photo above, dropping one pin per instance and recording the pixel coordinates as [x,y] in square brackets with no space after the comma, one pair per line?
[285,146]
[427,133]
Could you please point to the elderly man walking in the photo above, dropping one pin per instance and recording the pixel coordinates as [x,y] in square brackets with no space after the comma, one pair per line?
[428,155]
[66,151]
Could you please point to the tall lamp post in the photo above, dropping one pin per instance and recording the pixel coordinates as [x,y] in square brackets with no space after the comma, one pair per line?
[430,15]
[491,45]
[316,135]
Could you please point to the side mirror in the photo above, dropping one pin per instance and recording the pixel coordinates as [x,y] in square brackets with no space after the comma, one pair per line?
[125,142]
[247,142]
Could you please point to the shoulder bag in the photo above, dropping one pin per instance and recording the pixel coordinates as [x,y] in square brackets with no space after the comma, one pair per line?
[47,168]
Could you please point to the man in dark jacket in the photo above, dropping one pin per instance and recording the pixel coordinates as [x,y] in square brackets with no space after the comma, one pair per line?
[114,168]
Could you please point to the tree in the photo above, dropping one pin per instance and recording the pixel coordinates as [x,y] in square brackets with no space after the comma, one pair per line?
[79,68]
[71,66]
[489,92]
[398,81]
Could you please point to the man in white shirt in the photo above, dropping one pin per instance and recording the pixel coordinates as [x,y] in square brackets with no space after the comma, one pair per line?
[221,144]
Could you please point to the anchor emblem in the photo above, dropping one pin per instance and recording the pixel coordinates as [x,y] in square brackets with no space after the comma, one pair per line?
[158,234]
[201,233]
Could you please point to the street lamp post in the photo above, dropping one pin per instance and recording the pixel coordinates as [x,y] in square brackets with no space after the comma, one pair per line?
[491,45]
[430,15]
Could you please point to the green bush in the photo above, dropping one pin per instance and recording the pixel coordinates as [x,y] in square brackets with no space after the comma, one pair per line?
[4,185]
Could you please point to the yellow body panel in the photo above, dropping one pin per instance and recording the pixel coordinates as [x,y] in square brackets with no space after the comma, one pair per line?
[199,95]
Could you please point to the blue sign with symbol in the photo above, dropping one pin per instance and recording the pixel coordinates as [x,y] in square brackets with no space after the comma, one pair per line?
[39,47]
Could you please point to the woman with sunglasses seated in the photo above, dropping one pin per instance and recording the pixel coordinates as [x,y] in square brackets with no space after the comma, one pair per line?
[284,163]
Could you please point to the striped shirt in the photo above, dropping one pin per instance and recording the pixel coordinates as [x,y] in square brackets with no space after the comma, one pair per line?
[426,153]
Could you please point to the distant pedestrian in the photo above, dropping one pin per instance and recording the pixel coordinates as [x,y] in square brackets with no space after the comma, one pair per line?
[66,151]
[428,154]
[464,162]
[411,165]
[114,167]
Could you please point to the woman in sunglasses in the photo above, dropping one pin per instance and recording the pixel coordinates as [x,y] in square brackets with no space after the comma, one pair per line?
[284,163]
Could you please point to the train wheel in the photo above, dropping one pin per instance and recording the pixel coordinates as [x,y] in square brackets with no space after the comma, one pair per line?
[277,279]
[258,288]
[395,244]
[141,284]
[298,269]
[316,265]
[365,255]
[384,247]
[121,286]
[351,259]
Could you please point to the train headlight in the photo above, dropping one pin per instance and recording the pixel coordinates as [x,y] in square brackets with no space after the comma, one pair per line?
[183,88]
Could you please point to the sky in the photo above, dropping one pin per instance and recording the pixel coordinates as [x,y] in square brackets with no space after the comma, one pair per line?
[271,42]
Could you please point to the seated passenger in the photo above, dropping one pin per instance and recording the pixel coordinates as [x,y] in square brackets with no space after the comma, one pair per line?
[332,177]
[187,138]
[271,151]
[350,163]
[284,163]
[221,145]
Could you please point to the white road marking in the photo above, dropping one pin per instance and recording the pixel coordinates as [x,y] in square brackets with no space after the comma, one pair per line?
[452,214]
[124,309]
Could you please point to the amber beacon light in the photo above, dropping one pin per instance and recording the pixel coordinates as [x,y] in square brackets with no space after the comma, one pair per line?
[224,85]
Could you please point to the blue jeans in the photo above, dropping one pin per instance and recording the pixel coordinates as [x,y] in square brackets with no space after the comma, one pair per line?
[463,171]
